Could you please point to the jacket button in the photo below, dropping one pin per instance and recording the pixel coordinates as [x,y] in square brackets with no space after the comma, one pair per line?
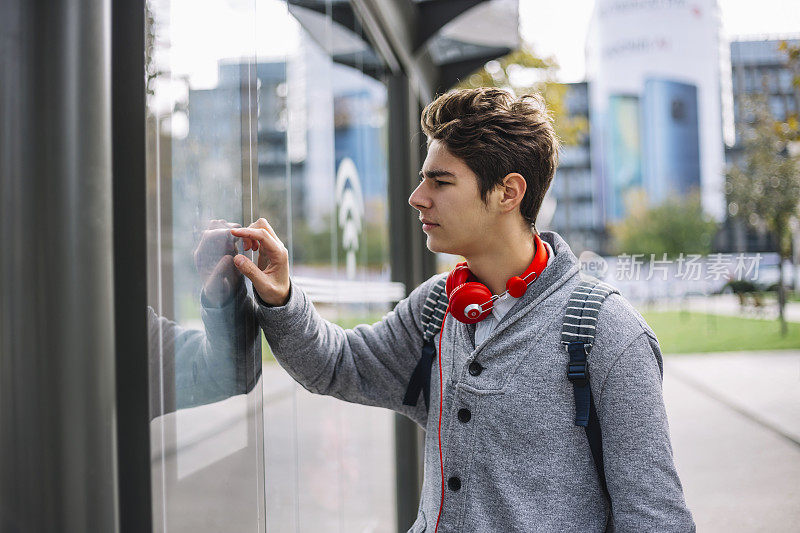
[454,483]
[464,415]
[475,368]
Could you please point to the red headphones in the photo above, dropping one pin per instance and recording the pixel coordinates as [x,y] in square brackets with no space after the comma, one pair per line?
[472,301]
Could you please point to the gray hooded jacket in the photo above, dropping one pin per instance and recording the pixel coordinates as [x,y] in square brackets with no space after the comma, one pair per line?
[517,462]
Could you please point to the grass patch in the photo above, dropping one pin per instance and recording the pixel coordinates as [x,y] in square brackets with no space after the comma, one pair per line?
[678,332]
[266,352]
[685,332]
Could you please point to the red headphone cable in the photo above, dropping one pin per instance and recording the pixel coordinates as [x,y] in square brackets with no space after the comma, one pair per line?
[519,289]
[441,400]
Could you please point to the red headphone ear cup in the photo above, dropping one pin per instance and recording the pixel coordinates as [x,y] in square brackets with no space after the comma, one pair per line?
[458,276]
[470,294]
[516,286]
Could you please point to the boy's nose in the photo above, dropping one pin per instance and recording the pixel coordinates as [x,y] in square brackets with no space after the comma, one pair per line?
[418,200]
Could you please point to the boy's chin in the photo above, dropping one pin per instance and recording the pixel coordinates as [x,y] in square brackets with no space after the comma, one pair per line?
[436,246]
[433,245]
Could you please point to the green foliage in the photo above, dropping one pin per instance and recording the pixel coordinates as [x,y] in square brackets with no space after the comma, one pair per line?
[676,226]
[505,72]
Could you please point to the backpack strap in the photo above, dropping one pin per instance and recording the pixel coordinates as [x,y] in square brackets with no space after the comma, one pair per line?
[432,316]
[577,336]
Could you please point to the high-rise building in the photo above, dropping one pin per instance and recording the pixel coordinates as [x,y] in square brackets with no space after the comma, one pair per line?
[654,88]
[757,67]
[573,190]
[761,67]
[670,138]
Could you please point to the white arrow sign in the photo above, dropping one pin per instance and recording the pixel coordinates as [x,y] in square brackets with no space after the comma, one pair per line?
[350,200]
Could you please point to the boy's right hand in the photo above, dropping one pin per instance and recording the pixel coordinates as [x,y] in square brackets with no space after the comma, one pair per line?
[270,276]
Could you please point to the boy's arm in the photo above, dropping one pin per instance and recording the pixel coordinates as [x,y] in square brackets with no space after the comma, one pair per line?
[369,364]
[646,493]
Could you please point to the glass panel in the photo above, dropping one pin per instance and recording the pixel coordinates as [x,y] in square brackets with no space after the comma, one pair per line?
[314,250]
[262,108]
[329,464]
[777,107]
[205,351]
[360,122]
[283,108]
[785,80]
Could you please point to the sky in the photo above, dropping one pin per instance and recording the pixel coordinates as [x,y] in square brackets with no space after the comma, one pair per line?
[558,28]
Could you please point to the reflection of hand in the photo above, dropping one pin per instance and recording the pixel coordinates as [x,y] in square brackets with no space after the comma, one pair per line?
[270,276]
[213,259]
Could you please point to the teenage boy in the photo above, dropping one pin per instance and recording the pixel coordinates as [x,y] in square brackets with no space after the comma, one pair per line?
[505,454]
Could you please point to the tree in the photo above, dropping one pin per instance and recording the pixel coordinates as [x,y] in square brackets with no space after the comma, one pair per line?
[524,72]
[678,225]
[764,188]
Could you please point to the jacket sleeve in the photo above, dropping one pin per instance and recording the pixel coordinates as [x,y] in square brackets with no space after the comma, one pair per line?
[646,493]
[369,364]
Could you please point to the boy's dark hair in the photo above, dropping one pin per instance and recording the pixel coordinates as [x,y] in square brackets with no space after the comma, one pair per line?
[495,134]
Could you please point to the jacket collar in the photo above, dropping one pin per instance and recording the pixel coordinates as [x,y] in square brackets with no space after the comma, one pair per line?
[563,267]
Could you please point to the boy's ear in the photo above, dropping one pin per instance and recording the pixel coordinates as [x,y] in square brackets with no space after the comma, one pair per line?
[513,189]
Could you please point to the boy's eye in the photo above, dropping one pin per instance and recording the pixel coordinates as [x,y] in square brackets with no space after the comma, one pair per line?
[437,182]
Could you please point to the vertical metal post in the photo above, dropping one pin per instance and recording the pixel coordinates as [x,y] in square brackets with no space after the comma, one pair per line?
[57,373]
[411,264]
[130,264]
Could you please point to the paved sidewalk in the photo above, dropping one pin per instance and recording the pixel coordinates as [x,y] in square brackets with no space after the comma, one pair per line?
[735,425]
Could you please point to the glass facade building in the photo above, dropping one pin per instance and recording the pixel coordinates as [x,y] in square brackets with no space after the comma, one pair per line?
[654,73]
[761,67]
[576,216]
[758,67]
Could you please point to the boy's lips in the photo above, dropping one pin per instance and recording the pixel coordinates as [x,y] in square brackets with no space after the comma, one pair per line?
[427,224]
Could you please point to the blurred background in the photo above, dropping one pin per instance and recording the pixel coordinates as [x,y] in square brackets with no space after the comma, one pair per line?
[135,135]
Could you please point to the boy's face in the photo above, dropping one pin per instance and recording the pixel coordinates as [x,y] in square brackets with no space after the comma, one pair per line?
[448,197]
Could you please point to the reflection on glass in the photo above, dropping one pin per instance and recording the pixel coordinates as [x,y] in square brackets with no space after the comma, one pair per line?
[205,349]
[209,364]
[262,108]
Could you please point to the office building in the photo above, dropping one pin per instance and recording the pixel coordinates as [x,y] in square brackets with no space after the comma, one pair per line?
[758,67]
[573,189]
[654,86]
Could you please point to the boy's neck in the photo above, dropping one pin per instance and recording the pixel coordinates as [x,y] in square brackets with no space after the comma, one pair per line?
[503,259]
